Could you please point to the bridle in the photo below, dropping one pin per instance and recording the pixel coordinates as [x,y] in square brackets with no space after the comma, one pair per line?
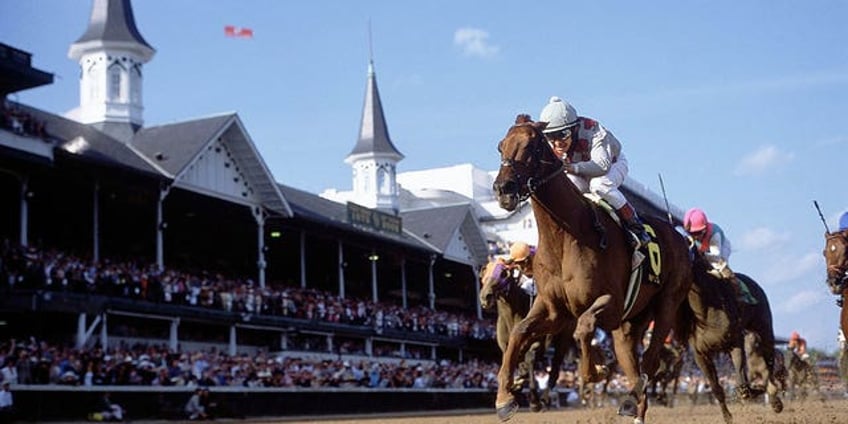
[532,184]
[837,273]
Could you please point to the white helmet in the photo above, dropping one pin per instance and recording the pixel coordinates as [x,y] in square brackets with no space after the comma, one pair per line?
[558,114]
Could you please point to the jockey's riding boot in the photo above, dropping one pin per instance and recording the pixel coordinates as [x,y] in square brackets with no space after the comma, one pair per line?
[634,225]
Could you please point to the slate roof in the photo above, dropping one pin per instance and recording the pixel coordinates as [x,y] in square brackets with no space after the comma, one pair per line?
[112,20]
[85,142]
[180,142]
[373,132]
[437,226]
[315,208]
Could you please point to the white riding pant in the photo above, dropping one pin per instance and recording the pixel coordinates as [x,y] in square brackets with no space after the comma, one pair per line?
[606,186]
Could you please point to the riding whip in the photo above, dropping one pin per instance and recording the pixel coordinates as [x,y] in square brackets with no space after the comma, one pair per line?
[667,209]
[821,216]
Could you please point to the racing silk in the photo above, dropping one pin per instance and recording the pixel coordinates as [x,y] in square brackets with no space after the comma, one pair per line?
[594,150]
[715,246]
[799,346]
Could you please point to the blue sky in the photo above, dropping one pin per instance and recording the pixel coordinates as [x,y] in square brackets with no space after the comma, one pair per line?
[739,105]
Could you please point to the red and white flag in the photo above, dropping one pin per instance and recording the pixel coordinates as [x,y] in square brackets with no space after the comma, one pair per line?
[238,32]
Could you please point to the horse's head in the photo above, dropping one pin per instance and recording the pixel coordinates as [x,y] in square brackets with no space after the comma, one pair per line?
[836,258]
[526,162]
[495,280]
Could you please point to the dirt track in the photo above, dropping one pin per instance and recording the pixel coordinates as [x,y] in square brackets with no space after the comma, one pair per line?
[810,412]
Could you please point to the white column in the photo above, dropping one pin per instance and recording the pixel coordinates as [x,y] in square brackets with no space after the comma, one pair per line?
[284,341]
[432,291]
[104,335]
[24,236]
[96,222]
[302,259]
[374,258]
[174,335]
[233,344]
[477,296]
[260,243]
[341,271]
[403,282]
[160,227]
[81,330]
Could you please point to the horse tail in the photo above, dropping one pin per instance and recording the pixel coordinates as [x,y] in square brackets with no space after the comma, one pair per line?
[684,323]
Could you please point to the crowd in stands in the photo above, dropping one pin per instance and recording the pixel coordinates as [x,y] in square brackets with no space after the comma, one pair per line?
[34,361]
[32,268]
[20,122]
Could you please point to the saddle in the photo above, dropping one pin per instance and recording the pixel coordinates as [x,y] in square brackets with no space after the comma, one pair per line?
[642,271]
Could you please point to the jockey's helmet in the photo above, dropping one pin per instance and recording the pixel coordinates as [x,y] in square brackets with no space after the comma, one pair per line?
[520,251]
[843,221]
[794,336]
[695,220]
[558,114]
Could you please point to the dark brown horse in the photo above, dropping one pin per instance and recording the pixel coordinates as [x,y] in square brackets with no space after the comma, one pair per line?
[582,268]
[666,381]
[500,287]
[716,322]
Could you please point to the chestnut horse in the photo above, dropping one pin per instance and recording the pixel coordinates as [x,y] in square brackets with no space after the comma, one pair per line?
[500,287]
[582,269]
[716,322]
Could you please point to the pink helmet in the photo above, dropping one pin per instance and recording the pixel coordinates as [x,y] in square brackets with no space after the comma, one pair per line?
[695,220]
[794,336]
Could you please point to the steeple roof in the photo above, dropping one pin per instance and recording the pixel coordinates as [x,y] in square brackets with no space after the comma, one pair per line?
[111,23]
[373,133]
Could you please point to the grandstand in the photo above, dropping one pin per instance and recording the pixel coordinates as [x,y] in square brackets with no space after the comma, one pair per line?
[139,250]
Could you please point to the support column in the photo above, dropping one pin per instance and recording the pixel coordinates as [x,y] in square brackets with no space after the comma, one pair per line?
[477,297]
[95,236]
[374,258]
[81,330]
[369,346]
[259,215]
[403,282]
[24,235]
[330,343]
[341,271]
[104,334]
[161,225]
[233,343]
[432,291]
[302,259]
[174,335]
[284,341]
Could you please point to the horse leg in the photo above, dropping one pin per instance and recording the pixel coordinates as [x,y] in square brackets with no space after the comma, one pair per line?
[707,366]
[770,377]
[530,366]
[624,342]
[737,355]
[531,327]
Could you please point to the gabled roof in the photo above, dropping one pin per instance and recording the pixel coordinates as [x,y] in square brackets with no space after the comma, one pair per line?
[85,142]
[438,225]
[315,208]
[373,132]
[111,22]
[174,147]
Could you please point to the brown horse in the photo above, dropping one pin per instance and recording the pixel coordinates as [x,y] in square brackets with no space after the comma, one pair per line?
[836,259]
[500,287]
[582,268]
[716,322]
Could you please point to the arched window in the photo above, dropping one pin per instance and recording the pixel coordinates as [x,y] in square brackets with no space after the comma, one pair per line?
[116,89]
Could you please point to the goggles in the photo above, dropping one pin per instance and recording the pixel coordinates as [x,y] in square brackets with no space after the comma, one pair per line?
[558,135]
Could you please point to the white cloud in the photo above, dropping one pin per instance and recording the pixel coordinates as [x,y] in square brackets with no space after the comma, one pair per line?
[762,160]
[787,268]
[760,238]
[801,301]
[474,42]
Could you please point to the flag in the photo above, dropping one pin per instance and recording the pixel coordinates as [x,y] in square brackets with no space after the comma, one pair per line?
[238,32]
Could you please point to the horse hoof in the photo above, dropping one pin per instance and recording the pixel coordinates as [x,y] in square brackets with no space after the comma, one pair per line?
[627,408]
[536,407]
[638,420]
[777,405]
[507,411]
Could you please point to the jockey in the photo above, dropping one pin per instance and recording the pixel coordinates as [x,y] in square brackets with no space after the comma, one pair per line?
[709,239]
[521,255]
[593,159]
[798,345]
